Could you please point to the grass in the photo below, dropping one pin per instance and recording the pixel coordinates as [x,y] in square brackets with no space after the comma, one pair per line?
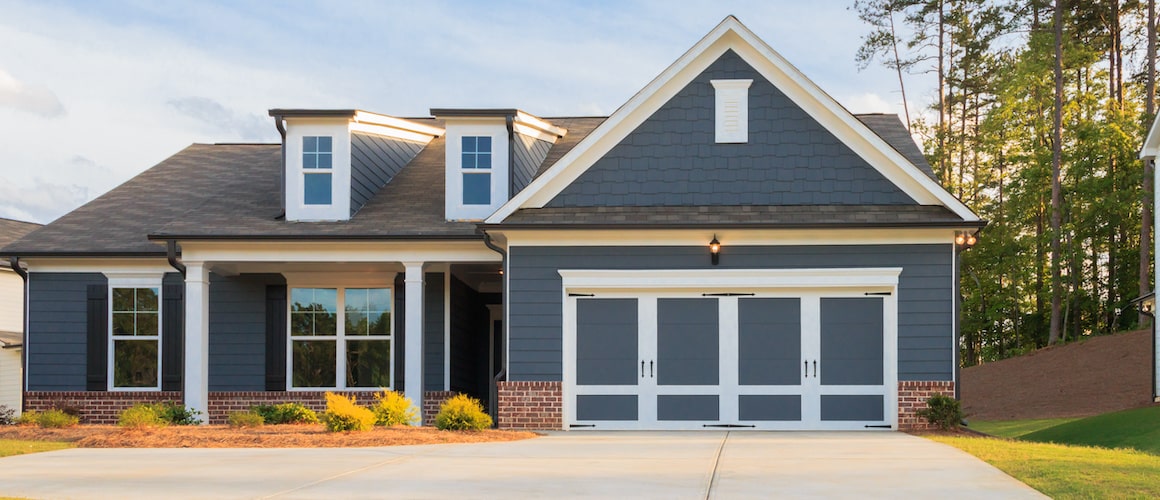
[9,447]
[1138,429]
[1016,428]
[1062,471]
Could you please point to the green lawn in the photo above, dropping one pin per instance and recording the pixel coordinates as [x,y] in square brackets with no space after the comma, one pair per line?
[1138,429]
[1062,471]
[1015,428]
[9,447]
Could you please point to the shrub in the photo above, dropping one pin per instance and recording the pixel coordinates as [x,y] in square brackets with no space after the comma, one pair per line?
[27,418]
[342,414]
[64,406]
[942,411]
[177,414]
[286,413]
[460,413]
[392,408]
[56,419]
[141,416]
[7,415]
[248,418]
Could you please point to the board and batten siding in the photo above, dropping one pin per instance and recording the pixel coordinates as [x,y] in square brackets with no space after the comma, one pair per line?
[433,332]
[237,331]
[374,161]
[926,334]
[57,329]
[528,154]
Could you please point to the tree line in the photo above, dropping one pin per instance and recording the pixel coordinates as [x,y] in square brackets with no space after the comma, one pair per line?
[1041,109]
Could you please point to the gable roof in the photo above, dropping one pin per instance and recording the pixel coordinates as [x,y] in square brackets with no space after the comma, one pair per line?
[730,34]
[12,230]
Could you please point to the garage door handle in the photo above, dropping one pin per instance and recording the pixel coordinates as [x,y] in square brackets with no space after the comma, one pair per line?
[642,368]
[807,372]
[650,369]
[815,368]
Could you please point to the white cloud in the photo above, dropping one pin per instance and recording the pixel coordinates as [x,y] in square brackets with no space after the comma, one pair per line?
[42,202]
[228,122]
[35,99]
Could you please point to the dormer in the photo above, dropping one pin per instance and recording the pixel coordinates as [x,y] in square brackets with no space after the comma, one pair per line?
[334,161]
[491,154]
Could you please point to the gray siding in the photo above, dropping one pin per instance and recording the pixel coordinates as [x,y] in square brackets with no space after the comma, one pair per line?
[432,332]
[926,334]
[57,327]
[237,331]
[374,161]
[527,155]
[672,159]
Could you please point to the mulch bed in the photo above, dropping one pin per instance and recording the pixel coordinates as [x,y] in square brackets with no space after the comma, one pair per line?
[270,436]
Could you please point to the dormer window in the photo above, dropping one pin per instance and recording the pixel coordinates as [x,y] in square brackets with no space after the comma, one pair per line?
[317,169]
[476,170]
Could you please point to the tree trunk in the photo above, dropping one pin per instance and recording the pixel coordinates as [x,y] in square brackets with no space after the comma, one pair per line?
[942,100]
[898,65]
[1055,328]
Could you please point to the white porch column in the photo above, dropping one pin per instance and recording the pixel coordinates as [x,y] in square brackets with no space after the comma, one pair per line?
[413,332]
[197,338]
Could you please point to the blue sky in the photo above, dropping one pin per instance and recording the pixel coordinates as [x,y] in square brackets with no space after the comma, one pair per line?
[94,92]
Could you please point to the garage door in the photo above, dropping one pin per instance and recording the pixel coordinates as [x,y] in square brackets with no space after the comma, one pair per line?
[768,359]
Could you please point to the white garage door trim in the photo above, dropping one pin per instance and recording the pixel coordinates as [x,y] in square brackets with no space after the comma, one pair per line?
[809,284]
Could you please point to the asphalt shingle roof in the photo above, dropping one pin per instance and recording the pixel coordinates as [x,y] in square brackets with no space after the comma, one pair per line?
[231,191]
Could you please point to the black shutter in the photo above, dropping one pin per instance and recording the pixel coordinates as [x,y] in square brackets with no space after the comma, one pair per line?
[97,340]
[172,336]
[276,337]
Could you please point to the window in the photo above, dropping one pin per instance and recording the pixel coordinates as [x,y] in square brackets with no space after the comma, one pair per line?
[317,155]
[135,326]
[476,170]
[343,331]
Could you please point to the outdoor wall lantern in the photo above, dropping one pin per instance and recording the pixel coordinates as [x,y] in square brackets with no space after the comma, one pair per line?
[715,250]
[965,239]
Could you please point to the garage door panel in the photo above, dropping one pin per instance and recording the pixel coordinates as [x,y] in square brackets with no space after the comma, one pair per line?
[851,341]
[606,342]
[688,407]
[770,408]
[687,342]
[856,408]
[607,407]
[769,341]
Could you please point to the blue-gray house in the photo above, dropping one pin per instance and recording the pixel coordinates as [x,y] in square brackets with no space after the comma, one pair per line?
[730,248]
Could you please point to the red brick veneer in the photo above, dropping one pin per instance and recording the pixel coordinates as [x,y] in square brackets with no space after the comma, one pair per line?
[96,407]
[912,396]
[432,401]
[531,405]
[222,404]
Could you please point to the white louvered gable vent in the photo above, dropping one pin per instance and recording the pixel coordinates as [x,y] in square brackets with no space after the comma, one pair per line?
[732,114]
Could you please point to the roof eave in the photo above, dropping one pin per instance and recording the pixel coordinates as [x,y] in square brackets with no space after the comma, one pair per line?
[979,224]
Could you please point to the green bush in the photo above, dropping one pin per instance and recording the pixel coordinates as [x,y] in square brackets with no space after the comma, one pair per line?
[141,416]
[942,411]
[56,419]
[286,413]
[342,414]
[27,418]
[177,414]
[248,418]
[461,413]
[392,408]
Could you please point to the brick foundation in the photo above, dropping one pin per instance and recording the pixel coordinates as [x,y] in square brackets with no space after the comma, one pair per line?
[531,405]
[97,407]
[432,400]
[912,396]
[222,404]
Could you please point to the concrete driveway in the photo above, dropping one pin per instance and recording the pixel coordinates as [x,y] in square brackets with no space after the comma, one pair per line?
[606,464]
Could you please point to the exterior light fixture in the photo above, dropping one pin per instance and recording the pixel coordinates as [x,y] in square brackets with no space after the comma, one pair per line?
[715,250]
[965,240]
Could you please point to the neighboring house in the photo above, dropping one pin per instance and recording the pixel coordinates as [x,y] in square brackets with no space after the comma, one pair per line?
[730,248]
[11,318]
[1150,152]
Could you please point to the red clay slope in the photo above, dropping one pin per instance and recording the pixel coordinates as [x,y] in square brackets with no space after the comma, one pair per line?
[1099,375]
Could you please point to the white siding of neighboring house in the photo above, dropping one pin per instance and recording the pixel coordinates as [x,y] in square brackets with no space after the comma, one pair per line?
[11,320]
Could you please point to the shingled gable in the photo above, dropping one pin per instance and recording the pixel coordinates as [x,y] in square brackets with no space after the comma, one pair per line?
[731,35]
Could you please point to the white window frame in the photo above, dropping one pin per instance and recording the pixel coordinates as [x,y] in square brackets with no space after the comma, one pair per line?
[454,208]
[317,171]
[490,170]
[340,285]
[132,281]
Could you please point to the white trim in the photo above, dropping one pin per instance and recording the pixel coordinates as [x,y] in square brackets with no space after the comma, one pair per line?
[396,123]
[340,170]
[196,380]
[728,237]
[1151,147]
[730,34]
[731,110]
[106,265]
[390,133]
[348,280]
[413,345]
[500,171]
[131,281]
[711,279]
[334,251]
[308,280]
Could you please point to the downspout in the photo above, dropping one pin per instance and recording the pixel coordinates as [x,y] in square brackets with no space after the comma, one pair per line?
[15,262]
[282,171]
[171,256]
[493,404]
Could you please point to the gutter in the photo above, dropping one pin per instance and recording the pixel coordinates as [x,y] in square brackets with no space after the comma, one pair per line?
[493,388]
[171,256]
[278,123]
[15,262]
